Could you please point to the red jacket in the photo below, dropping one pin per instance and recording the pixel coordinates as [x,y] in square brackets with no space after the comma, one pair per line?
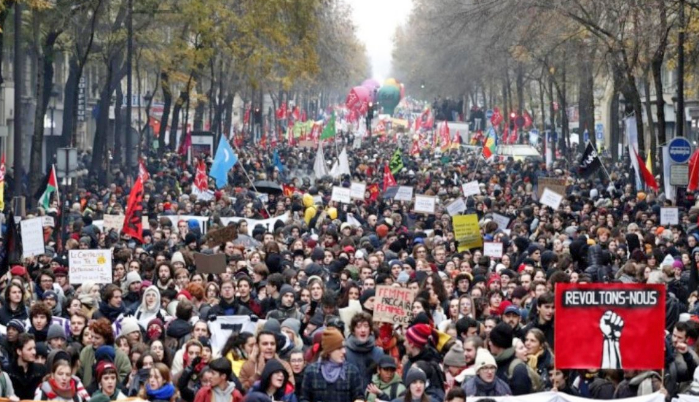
[205,395]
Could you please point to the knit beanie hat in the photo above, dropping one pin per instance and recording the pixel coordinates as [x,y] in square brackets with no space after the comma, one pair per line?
[484,359]
[56,331]
[103,366]
[293,324]
[415,374]
[419,334]
[455,357]
[16,324]
[132,277]
[272,325]
[129,325]
[157,331]
[366,295]
[332,340]
[501,335]
[105,352]
[286,288]
[317,319]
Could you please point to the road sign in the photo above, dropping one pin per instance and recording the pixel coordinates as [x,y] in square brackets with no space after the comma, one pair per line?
[489,114]
[680,150]
[679,175]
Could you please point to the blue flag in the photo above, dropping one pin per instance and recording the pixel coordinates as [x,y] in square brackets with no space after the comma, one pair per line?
[224,161]
[277,162]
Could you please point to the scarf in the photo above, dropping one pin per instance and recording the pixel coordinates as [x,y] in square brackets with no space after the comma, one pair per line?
[533,360]
[360,347]
[332,371]
[111,313]
[163,393]
[484,388]
[53,390]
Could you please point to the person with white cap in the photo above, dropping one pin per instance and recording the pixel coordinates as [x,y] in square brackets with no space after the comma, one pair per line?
[486,381]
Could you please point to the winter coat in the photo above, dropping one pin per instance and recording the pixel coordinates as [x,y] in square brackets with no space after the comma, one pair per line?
[25,383]
[258,392]
[436,377]
[206,394]
[364,355]
[282,313]
[475,386]
[145,316]
[520,383]
[251,370]
[6,314]
[87,360]
[111,313]
[177,334]
[390,390]
[317,389]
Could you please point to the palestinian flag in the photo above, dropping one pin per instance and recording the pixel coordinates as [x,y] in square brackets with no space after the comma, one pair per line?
[51,187]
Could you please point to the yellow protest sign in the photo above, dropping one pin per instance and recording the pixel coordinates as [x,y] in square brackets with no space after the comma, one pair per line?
[466,231]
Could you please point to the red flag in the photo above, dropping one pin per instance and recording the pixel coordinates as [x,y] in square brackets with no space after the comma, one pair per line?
[527,120]
[288,190]
[246,116]
[496,118]
[388,180]
[373,190]
[415,148]
[185,144]
[610,323]
[142,171]
[155,125]
[201,179]
[693,172]
[645,174]
[133,224]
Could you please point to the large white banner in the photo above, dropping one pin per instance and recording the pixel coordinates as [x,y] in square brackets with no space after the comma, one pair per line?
[561,397]
[224,326]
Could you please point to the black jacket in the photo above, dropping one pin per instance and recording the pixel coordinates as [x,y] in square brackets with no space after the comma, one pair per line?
[6,314]
[25,383]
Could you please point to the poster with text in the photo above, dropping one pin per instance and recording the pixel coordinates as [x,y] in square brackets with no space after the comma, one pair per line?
[90,265]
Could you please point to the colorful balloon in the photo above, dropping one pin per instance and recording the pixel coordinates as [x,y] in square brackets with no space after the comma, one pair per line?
[388,98]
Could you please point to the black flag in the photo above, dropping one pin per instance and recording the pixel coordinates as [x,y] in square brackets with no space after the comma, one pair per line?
[11,250]
[590,161]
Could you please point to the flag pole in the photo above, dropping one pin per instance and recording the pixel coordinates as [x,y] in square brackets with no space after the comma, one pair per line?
[242,166]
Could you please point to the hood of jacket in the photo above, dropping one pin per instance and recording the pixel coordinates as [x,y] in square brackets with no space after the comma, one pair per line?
[376,379]
[272,366]
[178,329]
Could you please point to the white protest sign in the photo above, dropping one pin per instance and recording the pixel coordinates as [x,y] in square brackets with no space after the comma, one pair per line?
[353,221]
[456,207]
[223,326]
[404,193]
[357,190]
[47,221]
[318,199]
[90,265]
[669,216]
[551,199]
[425,204]
[32,237]
[115,222]
[341,194]
[492,249]
[268,223]
[501,220]
[471,188]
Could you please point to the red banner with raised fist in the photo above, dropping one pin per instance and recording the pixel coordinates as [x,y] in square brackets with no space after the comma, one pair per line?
[610,326]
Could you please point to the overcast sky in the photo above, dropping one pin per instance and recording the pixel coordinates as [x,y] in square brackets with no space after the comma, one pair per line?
[376,22]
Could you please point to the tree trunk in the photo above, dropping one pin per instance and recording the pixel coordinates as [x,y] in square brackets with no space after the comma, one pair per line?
[100,158]
[3,17]
[614,137]
[520,88]
[198,121]
[656,68]
[176,120]
[543,108]
[70,102]
[118,145]
[649,115]
[44,84]
[167,104]
[586,100]
[228,110]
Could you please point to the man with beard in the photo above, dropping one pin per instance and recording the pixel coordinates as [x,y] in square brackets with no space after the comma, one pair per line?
[228,304]
[361,348]
[287,306]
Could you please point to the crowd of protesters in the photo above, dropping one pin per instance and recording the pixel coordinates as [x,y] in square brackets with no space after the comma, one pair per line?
[480,326]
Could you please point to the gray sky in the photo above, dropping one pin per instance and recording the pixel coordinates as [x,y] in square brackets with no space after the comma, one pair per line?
[376,22]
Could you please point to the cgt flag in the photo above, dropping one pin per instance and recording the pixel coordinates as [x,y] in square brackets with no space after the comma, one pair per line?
[608,326]
[590,161]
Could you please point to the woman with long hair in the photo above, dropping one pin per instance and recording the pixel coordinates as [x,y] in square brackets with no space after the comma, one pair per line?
[60,384]
[539,355]
[416,387]
[14,307]
[238,348]
[350,292]
[159,386]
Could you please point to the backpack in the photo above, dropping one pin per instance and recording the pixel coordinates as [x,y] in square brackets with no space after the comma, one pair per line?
[534,377]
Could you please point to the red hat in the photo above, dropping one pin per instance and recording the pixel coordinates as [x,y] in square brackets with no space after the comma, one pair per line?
[311,243]
[18,270]
[419,334]
[60,271]
[382,230]
[185,293]
[493,278]
[521,268]
[349,249]
[103,366]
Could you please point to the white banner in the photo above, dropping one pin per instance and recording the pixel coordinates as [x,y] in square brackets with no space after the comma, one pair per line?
[456,207]
[90,265]
[551,199]
[115,222]
[268,223]
[492,249]
[425,204]
[561,397]
[32,237]
[632,141]
[47,221]
[669,216]
[471,188]
[669,188]
[223,326]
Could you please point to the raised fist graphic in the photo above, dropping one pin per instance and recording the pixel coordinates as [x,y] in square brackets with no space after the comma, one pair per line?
[611,325]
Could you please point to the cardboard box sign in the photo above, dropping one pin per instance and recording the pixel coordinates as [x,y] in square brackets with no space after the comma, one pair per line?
[210,263]
[220,236]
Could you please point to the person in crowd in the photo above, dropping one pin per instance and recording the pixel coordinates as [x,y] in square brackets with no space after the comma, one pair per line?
[486,382]
[386,384]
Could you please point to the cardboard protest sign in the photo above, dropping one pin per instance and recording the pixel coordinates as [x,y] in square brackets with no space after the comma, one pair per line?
[669,216]
[551,199]
[220,236]
[466,231]
[341,194]
[404,193]
[619,326]
[471,188]
[357,190]
[456,207]
[425,204]
[393,305]
[115,222]
[210,263]
[90,265]
[492,249]
[555,184]
[32,237]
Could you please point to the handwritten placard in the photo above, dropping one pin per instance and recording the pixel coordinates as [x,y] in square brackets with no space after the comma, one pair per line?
[357,190]
[32,237]
[471,188]
[394,305]
[492,249]
[456,207]
[467,231]
[669,216]
[341,194]
[501,220]
[551,199]
[425,204]
[90,265]
[115,222]
[48,221]
[404,193]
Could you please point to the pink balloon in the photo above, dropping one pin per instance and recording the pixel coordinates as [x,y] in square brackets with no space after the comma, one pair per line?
[357,96]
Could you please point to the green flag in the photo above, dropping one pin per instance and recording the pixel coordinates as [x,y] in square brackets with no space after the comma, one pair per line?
[396,163]
[329,130]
